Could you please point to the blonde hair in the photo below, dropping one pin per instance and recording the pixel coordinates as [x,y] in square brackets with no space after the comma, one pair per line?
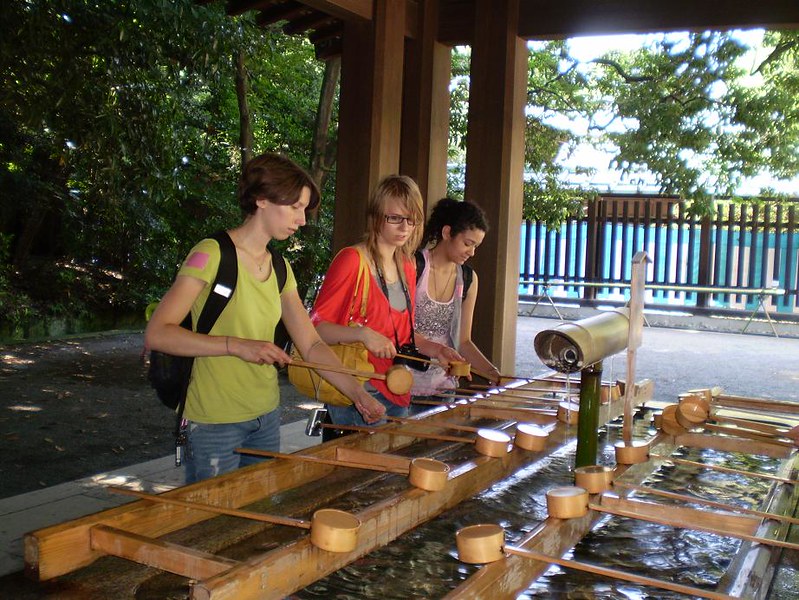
[404,190]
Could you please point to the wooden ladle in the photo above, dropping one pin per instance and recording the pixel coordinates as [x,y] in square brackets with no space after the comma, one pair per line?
[398,378]
[489,442]
[331,529]
[425,473]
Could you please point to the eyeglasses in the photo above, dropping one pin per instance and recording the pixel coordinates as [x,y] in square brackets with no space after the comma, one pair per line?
[397,219]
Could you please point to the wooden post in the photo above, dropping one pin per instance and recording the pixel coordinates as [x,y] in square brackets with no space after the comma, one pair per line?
[370,114]
[494,169]
[425,108]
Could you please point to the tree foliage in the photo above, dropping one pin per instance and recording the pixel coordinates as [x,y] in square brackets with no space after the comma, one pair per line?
[119,139]
[685,108]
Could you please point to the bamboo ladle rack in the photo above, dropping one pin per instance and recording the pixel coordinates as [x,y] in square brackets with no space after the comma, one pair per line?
[486,543]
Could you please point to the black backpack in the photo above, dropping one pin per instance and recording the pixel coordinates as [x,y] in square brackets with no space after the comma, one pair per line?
[169,375]
[468,273]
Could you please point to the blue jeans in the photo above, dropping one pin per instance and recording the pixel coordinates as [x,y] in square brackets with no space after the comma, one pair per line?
[349,415]
[211,446]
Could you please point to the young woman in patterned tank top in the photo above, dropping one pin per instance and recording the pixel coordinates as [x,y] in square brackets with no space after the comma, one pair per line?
[443,313]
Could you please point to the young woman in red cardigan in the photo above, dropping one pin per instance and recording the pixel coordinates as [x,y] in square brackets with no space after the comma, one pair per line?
[395,219]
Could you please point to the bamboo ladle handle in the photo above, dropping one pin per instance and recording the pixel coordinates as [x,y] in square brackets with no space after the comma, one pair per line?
[322,461]
[688,499]
[428,436]
[455,368]
[721,469]
[438,424]
[399,379]
[613,573]
[743,536]
[244,514]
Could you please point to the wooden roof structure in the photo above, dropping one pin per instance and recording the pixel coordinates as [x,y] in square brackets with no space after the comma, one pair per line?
[394,101]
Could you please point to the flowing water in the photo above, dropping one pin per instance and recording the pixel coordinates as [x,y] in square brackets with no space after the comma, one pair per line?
[423,563]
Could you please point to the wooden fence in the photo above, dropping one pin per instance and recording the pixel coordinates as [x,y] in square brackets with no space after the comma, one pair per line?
[743,246]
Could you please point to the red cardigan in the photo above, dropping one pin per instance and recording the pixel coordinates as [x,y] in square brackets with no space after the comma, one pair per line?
[335,301]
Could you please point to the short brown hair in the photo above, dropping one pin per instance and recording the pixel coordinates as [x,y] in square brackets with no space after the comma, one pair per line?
[275,178]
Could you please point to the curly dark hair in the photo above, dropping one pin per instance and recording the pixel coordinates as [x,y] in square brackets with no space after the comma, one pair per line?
[459,215]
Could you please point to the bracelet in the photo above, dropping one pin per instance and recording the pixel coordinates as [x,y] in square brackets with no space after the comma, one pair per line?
[227,347]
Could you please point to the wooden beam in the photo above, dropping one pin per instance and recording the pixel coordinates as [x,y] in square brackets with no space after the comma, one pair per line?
[555,20]
[166,556]
[344,9]
[545,19]
[313,20]
[280,12]
[494,170]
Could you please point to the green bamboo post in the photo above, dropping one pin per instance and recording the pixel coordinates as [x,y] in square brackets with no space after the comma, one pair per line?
[588,421]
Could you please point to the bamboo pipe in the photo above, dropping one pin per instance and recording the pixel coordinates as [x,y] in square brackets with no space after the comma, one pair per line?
[721,469]
[744,536]
[244,514]
[323,461]
[399,379]
[688,499]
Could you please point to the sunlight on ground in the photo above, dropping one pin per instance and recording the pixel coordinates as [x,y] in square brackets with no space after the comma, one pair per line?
[21,408]
[12,359]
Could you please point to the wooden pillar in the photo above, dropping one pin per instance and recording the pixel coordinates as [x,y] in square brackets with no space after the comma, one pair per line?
[370,109]
[494,170]
[425,114]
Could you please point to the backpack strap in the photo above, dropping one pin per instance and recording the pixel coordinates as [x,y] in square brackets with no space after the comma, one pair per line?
[279,266]
[281,337]
[419,265]
[468,275]
[224,283]
[222,289]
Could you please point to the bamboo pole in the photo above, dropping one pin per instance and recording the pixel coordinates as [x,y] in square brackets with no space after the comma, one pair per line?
[688,499]
[322,461]
[437,424]
[740,432]
[614,573]
[721,469]
[756,404]
[335,369]
[428,436]
[233,512]
[620,512]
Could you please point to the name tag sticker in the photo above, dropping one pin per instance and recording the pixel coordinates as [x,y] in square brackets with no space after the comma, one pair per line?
[222,290]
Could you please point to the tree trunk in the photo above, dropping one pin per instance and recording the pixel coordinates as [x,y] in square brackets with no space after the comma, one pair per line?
[245,124]
[323,153]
